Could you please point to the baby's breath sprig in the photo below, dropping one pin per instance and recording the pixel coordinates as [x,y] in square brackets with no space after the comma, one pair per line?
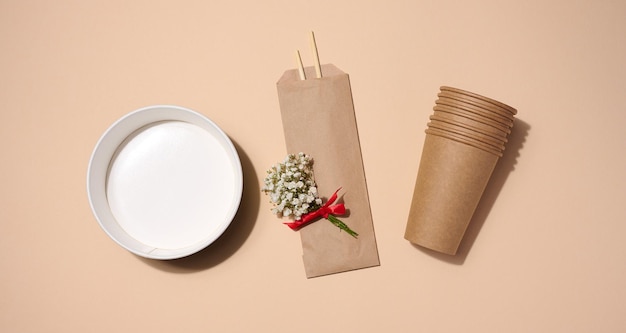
[291,186]
[292,190]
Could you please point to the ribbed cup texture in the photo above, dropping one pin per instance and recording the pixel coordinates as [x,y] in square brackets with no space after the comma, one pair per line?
[465,138]
[472,119]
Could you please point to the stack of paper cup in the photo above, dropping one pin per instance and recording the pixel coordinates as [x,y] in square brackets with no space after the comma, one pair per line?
[466,135]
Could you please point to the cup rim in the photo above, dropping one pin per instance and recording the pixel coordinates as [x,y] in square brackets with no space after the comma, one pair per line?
[499,145]
[474,108]
[504,128]
[462,140]
[479,97]
[470,130]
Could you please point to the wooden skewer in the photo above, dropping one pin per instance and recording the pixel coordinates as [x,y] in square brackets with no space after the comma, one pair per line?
[316,58]
[300,67]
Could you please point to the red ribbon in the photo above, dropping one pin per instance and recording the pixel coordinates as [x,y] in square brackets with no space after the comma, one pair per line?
[327,209]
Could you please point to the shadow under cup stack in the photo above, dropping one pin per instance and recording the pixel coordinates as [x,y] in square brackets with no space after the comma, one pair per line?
[465,138]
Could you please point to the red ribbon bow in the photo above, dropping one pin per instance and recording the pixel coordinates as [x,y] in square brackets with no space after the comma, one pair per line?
[327,209]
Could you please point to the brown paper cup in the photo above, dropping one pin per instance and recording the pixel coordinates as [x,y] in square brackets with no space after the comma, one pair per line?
[451,179]
[460,152]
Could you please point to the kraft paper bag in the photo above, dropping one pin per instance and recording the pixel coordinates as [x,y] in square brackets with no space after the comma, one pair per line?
[318,120]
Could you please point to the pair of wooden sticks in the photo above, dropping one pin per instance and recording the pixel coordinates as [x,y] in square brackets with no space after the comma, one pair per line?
[316,59]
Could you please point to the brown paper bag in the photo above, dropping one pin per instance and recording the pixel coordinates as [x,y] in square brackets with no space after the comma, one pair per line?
[318,119]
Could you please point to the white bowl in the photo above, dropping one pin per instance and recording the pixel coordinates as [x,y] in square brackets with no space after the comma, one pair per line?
[164,182]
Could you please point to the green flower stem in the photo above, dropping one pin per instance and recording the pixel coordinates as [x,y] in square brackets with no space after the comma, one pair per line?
[342,225]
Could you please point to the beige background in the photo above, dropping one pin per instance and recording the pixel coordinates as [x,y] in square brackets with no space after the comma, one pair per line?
[545,252]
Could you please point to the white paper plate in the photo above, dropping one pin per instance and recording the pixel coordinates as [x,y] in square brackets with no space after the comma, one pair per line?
[164,182]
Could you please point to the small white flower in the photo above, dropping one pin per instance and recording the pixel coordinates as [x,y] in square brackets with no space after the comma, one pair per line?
[291,186]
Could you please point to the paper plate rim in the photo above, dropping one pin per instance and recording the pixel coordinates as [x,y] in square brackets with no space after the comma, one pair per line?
[101,158]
